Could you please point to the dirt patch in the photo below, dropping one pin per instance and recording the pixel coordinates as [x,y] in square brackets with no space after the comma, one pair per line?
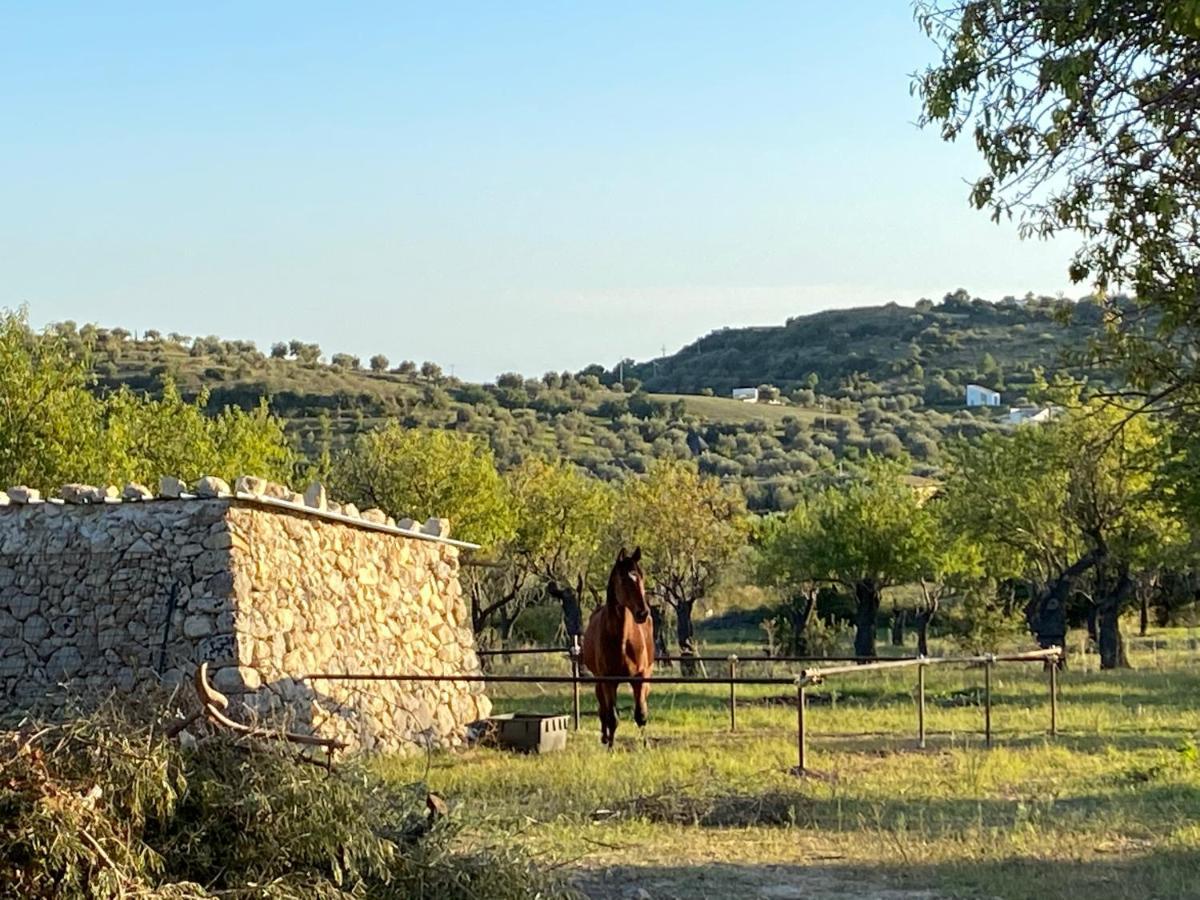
[745,882]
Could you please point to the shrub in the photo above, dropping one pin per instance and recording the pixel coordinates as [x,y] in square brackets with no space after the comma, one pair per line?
[103,805]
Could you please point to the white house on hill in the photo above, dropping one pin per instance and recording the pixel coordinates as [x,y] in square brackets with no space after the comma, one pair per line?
[747,395]
[1032,414]
[978,395]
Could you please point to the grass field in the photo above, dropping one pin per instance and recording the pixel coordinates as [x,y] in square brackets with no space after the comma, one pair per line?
[726,409]
[1108,809]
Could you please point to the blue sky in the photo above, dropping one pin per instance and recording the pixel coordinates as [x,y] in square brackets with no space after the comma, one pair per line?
[492,186]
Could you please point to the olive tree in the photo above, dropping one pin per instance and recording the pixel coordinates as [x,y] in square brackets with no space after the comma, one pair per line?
[870,534]
[690,528]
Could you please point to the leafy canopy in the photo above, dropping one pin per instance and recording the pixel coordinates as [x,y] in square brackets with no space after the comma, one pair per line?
[416,472]
[876,529]
[689,526]
[53,430]
[563,516]
[1085,114]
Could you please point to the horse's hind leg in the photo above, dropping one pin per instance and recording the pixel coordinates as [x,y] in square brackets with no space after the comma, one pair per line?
[606,696]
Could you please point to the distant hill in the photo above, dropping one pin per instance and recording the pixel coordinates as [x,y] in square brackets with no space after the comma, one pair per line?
[881,380]
[932,350]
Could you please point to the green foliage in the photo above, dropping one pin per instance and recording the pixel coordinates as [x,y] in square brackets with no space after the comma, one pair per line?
[101,805]
[1037,499]
[690,528]
[145,438]
[563,516]
[1084,115]
[48,419]
[875,529]
[54,430]
[888,349]
[417,472]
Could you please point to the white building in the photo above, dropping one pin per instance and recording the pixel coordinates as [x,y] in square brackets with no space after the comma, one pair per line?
[1033,414]
[747,395]
[978,395]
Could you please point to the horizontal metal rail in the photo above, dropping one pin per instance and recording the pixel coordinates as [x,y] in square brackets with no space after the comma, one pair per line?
[812,676]
[808,676]
[548,679]
[549,651]
[801,681]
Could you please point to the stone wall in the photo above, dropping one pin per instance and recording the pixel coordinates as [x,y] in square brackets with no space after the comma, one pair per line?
[267,589]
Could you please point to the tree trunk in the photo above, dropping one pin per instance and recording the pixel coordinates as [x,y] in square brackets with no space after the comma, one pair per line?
[685,633]
[898,619]
[1144,613]
[1047,610]
[866,609]
[799,618]
[660,636]
[923,633]
[1110,642]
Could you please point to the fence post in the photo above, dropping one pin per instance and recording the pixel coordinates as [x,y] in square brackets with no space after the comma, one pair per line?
[732,692]
[987,700]
[801,737]
[575,678]
[921,706]
[1054,697]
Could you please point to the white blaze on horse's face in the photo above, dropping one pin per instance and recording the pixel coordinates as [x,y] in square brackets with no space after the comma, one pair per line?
[632,584]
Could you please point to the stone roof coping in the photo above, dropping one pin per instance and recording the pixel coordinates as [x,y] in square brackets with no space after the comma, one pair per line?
[276,503]
[272,503]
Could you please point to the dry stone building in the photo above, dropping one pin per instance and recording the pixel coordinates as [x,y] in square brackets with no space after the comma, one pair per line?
[105,589]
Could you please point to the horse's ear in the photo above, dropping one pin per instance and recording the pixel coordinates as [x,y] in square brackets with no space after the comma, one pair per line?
[621,555]
[636,556]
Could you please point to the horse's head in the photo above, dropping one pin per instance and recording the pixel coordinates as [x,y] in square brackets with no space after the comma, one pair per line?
[627,585]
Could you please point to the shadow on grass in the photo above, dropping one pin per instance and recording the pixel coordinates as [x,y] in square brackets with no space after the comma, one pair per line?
[1159,874]
[909,817]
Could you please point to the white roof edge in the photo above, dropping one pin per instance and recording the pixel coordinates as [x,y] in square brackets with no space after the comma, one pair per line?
[270,503]
[276,503]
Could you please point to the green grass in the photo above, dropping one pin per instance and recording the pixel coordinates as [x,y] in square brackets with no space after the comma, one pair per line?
[1113,801]
[726,409]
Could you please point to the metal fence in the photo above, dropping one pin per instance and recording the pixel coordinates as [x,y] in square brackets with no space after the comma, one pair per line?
[801,682]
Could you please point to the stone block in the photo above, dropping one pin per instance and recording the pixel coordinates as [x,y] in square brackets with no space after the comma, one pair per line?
[222,540]
[211,486]
[316,497]
[36,628]
[197,626]
[236,679]
[250,484]
[171,488]
[22,606]
[436,527]
[81,493]
[135,491]
[22,494]
[64,663]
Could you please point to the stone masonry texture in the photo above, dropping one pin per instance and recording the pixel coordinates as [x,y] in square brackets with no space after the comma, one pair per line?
[265,593]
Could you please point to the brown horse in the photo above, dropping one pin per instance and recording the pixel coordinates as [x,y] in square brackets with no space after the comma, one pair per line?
[619,640]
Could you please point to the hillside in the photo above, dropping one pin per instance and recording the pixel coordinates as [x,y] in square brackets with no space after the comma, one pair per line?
[932,350]
[883,380]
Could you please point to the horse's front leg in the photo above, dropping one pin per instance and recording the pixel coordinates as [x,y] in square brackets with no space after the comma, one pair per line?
[641,708]
[606,697]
